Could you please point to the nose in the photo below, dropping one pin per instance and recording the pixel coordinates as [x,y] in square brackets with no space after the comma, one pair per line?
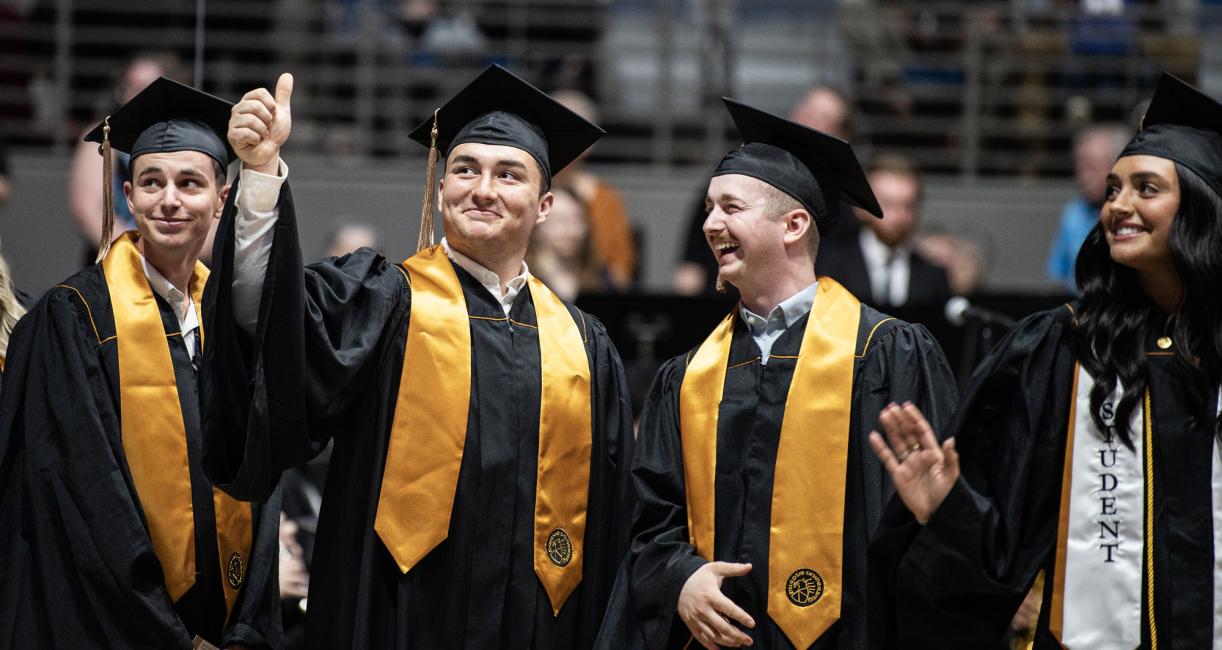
[485,189]
[714,223]
[170,198]
[1118,208]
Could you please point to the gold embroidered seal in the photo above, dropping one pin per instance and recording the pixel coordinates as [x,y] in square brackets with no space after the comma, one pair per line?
[235,571]
[804,587]
[559,548]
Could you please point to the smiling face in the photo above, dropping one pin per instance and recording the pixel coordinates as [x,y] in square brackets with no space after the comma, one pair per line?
[1143,195]
[490,200]
[174,198]
[746,235]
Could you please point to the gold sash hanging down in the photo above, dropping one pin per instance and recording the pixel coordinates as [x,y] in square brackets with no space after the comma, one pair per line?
[430,428]
[154,435]
[806,538]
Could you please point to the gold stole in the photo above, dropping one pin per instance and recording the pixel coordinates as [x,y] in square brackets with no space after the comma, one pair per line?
[429,428]
[806,539]
[1056,615]
[154,436]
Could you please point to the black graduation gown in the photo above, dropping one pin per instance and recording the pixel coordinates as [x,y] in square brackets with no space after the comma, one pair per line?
[902,362]
[78,567]
[966,571]
[325,363]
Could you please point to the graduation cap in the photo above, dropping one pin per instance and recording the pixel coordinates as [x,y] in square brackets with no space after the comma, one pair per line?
[811,166]
[166,116]
[1183,125]
[500,108]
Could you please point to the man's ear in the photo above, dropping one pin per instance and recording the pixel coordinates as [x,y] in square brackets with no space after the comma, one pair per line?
[797,225]
[223,196]
[545,207]
[127,194]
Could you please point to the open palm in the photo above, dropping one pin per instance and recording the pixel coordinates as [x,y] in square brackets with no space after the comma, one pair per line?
[922,470]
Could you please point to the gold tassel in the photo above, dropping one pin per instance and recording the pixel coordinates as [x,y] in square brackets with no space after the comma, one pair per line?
[108,194]
[427,205]
[721,284]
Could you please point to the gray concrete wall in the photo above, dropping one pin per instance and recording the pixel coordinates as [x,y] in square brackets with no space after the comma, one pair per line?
[41,246]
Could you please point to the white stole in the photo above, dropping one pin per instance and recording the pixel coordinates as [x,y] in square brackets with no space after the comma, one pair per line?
[1105,539]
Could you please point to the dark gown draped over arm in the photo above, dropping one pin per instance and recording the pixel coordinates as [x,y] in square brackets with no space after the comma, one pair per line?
[273,402]
[900,362]
[959,579]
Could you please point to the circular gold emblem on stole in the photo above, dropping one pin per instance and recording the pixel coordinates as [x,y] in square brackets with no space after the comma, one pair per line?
[559,548]
[804,587]
[235,571]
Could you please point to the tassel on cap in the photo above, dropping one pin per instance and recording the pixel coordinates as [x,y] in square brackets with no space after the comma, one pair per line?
[427,206]
[108,193]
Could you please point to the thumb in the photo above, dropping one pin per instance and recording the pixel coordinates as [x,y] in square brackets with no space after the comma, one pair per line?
[952,456]
[731,569]
[284,89]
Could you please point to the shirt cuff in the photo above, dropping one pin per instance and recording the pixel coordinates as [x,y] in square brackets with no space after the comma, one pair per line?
[259,192]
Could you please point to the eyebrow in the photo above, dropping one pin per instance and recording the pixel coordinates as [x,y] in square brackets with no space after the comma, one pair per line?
[465,158]
[154,169]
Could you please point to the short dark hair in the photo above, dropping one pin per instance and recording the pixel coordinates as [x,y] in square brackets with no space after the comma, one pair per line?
[894,163]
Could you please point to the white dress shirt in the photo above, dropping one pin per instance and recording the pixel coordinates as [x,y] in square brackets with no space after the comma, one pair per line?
[181,303]
[490,280]
[766,331]
[888,268]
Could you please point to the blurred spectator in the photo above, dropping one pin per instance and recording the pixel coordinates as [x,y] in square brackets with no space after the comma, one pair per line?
[1094,149]
[880,265]
[561,250]
[347,236]
[85,180]
[610,225]
[822,107]
[963,252]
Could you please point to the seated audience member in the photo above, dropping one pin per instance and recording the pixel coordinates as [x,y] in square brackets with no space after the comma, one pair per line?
[880,265]
[561,250]
[347,236]
[609,224]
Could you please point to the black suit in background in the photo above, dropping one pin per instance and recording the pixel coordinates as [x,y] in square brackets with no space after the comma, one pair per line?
[840,257]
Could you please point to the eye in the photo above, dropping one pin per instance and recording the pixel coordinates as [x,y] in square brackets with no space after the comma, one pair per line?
[1112,192]
[463,170]
[1148,188]
[151,182]
[509,175]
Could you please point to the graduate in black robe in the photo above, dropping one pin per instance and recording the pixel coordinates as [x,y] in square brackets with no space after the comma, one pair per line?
[1000,496]
[82,566]
[326,362]
[767,189]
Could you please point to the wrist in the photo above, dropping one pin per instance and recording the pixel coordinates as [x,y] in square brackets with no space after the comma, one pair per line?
[271,167]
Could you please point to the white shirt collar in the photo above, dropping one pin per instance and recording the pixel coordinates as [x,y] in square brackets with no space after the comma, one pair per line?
[488,278]
[788,312]
[181,303]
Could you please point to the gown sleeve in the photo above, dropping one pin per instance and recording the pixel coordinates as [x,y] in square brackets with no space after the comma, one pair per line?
[961,577]
[661,556]
[273,401]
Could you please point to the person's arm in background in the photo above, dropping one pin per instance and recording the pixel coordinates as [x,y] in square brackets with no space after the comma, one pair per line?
[85,192]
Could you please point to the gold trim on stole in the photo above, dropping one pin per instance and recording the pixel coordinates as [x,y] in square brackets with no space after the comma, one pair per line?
[429,428]
[154,435]
[806,539]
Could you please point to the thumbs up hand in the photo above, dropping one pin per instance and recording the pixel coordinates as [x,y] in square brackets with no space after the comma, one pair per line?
[260,123]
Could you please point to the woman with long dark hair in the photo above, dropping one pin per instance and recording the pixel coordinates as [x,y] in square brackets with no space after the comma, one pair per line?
[1086,447]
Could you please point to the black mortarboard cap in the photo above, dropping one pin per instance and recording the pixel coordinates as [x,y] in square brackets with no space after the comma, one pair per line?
[811,166]
[169,116]
[499,108]
[1183,125]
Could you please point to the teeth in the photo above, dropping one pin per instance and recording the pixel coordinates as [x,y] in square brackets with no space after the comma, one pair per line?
[725,245]
[1128,230]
